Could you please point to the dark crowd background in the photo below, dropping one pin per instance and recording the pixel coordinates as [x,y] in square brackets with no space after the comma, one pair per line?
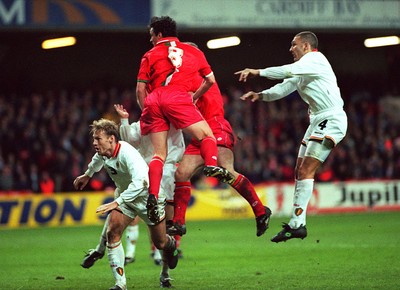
[45,140]
[48,99]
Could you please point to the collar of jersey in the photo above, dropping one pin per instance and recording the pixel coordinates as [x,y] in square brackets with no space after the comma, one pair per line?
[167,39]
[116,150]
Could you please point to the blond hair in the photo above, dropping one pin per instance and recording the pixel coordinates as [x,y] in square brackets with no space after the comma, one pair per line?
[109,127]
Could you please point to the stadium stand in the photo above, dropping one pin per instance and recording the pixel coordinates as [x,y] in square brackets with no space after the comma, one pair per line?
[46,133]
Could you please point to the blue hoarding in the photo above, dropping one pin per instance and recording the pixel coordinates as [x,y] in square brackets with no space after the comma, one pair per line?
[74,14]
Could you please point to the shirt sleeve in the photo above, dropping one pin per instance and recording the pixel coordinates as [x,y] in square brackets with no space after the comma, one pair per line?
[311,64]
[95,165]
[280,90]
[130,133]
[277,72]
[308,65]
[143,75]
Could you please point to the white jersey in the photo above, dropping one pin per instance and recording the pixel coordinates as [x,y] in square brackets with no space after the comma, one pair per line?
[312,76]
[127,169]
[132,134]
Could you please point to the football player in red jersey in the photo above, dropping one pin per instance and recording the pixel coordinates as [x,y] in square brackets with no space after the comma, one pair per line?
[165,77]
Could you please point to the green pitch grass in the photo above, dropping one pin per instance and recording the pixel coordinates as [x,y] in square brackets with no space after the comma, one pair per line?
[347,251]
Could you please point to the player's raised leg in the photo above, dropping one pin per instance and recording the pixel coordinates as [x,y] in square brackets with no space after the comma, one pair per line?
[246,189]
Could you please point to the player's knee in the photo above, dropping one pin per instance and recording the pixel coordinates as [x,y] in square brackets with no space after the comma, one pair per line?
[181,176]
[302,173]
[113,237]
[226,164]
[160,244]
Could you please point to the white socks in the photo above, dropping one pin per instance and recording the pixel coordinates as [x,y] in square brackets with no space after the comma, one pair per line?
[302,194]
[132,235]
[157,255]
[116,258]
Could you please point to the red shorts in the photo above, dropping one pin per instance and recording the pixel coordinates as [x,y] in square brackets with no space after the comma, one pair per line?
[222,131]
[167,105]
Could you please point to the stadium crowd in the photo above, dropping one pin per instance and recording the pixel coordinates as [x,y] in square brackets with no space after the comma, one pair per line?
[45,138]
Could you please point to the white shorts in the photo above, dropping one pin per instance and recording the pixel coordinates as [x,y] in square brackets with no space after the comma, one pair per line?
[331,125]
[167,186]
[138,207]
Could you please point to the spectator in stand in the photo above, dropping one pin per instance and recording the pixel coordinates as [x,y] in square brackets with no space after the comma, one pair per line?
[6,178]
[46,184]
[34,178]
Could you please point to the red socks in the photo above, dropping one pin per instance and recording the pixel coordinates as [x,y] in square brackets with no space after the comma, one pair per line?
[209,151]
[181,200]
[178,241]
[246,189]
[155,174]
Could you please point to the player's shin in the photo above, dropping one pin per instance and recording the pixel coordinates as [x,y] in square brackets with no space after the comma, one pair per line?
[155,174]
[209,151]
[116,256]
[181,200]
[246,189]
[301,198]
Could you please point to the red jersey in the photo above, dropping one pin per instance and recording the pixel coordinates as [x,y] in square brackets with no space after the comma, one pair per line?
[210,104]
[173,63]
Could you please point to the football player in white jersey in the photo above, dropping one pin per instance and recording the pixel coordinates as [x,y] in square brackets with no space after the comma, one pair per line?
[129,171]
[176,147]
[312,76]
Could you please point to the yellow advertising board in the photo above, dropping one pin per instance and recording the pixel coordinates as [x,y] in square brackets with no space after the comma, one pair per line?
[218,204]
[55,210]
[32,210]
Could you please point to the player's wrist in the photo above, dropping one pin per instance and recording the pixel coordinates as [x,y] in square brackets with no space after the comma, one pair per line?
[262,72]
[89,173]
[119,200]
[124,121]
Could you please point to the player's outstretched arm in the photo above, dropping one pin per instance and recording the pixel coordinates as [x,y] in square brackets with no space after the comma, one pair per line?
[252,96]
[247,73]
